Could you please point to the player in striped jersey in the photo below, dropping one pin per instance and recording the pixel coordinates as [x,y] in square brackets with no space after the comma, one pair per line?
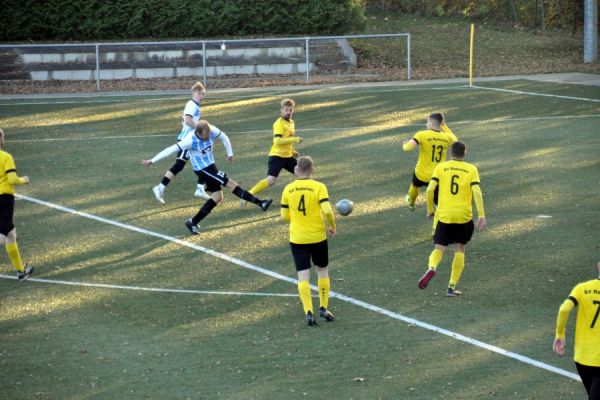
[200,146]
[8,233]
[586,296]
[304,202]
[282,154]
[458,183]
[191,114]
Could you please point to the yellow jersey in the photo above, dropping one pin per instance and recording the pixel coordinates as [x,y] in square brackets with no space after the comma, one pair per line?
[433,146]
[586,296]
[303,204]
[455,180]
[283,138]
[8,174]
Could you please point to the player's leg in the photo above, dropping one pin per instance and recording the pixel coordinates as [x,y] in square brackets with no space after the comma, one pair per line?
[413,191]
[247,196]
[594,392]
[441,241]
[275,165]
[170,174]
[200,189]
[8,236]
[587,377]
[301,256]
[461,235]
[213,184]
[320,257]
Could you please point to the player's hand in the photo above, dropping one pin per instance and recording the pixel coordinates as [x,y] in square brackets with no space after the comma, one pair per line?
[25,179]
[559,346]
[295,154]
[430,215]
[481,224]
[301,139]
[147,162]
[332,232]
[230,159]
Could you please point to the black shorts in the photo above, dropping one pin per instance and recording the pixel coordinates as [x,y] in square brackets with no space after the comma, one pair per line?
[590,377]
[183,155]
[419,183]
[213,178]
[446,234]
[7,209]
[276,164]
[303,253]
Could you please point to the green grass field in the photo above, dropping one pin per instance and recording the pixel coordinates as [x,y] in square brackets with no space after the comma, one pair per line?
[537,156]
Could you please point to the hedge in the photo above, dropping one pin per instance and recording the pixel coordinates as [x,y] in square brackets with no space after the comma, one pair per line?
[85,20]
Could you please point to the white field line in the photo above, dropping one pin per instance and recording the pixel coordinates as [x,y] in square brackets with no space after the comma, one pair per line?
[351,300]
[151,289]
[536,94]
[331,129]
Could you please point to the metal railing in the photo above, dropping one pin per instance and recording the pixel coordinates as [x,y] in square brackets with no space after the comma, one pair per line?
[218,43]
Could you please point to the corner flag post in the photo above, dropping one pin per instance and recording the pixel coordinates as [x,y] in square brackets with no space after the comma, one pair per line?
[471,55]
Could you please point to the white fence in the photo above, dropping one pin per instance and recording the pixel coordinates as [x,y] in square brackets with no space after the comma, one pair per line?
[206,58]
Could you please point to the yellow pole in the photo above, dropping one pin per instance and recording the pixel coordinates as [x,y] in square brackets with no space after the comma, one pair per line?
[471,55]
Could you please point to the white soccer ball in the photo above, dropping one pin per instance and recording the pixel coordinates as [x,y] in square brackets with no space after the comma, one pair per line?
[344,207]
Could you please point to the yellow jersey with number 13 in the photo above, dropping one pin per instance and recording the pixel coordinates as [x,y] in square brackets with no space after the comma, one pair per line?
[433,146]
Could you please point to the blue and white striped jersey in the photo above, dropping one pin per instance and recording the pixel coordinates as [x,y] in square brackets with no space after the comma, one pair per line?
[193,110]
[201,151]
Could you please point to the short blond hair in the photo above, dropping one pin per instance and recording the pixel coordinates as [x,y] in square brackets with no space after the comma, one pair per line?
[202,127]
[305,164]
[197,87]
[288,103]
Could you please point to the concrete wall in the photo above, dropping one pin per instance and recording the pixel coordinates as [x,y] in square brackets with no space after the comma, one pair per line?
[73,65]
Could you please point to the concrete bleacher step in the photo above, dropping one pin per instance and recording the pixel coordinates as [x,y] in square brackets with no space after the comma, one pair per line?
[156,60]
[11,66]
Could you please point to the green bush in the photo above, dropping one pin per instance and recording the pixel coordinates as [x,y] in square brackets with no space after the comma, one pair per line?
[75,20]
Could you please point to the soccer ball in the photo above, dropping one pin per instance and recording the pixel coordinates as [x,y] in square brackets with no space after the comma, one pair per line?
[344,206]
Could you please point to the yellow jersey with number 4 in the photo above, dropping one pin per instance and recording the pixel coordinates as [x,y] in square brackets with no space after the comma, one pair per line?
[304,199]
[433,146]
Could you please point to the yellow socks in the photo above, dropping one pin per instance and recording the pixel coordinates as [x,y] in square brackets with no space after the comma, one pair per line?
[305,296]
[413,193]
[435,258]
[457,268]
[259,187]
[15,257]
[324,285]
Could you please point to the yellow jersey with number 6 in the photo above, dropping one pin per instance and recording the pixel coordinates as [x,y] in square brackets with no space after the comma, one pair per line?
[455,180]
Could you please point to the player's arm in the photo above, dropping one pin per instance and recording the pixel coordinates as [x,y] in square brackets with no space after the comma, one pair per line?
[285,208]
[280,140]
[478,197]
[11,173]
[227,143]
[183,145]
[188,111]
[189,121]
[433,183]
[329,217]
[561,324]
[409,145]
